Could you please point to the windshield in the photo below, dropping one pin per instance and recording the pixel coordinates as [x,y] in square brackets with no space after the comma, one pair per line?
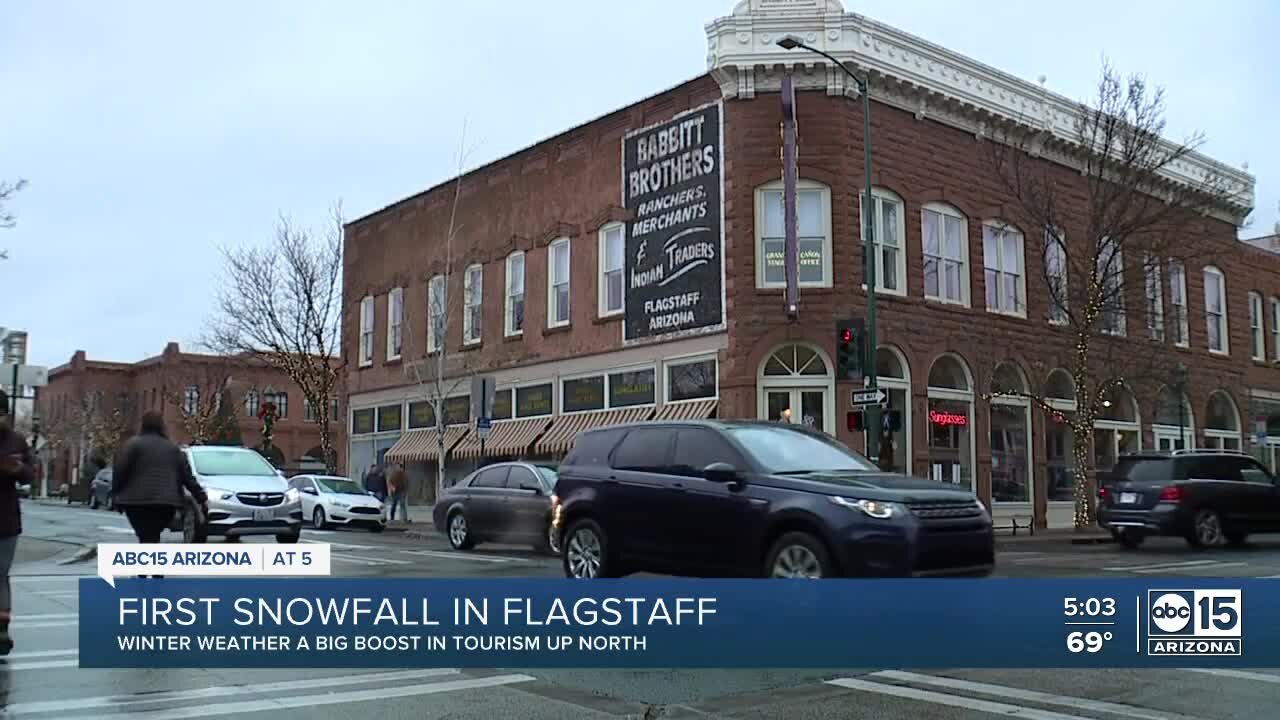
[339,485]
[784,450]
[231,462]
[549,476]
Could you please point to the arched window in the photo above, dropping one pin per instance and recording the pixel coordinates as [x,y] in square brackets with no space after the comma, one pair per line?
[949,421]
[1060,442]
[1010,436]
[1173,427]
[1222,423]
[1117,429]
[1060,388]
[797,385]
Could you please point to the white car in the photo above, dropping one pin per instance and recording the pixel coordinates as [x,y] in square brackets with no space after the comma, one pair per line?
[329,500]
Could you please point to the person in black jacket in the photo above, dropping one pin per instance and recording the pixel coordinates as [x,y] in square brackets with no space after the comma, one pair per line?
[148,478]
[15,469]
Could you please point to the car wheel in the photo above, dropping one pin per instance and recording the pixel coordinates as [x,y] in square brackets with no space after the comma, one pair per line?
[317,519]
[1206,529]
[798,555]
[1235,537]
[1130,539]
[289,539]
[586,552]
[459,532]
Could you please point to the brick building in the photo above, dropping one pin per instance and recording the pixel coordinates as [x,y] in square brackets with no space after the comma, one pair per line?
[555,289]
[84,394]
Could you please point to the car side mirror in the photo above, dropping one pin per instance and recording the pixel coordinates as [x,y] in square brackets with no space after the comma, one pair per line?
[721,472]
[531,486]
[310,491]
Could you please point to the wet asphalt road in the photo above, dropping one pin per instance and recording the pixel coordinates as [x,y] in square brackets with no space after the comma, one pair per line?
[41,679]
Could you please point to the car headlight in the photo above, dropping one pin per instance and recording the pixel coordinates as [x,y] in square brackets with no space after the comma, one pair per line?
[980,506]
[219,494]
[871,508]
[340,504]
[292,495]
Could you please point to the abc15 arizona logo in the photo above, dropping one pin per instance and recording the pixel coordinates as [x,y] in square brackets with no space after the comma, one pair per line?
[1194,622]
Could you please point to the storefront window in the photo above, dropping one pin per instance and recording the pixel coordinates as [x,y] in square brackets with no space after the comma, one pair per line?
[895,436]
[1010,430]
[1222,426]
[691,380]
[949,458]
[1117,430]
[1059,449]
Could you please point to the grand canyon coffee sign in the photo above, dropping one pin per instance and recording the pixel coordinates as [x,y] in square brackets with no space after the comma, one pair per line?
[674,266]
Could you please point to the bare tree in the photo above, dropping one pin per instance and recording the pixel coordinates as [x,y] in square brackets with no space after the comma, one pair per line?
[198,391]
[435,374]
[7,220]
[1111,248]
[283,304]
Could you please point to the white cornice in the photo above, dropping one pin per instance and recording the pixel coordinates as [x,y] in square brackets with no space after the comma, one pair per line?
[909,72]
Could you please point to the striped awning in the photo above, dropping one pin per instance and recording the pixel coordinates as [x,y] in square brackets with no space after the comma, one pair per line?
[693,410]
[420,445]
[559,439]
[507,437]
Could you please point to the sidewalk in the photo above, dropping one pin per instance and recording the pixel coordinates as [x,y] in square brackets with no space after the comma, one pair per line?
[1071,536]
[421,526]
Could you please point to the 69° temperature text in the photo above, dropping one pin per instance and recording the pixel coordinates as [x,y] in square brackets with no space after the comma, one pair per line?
[1086,641]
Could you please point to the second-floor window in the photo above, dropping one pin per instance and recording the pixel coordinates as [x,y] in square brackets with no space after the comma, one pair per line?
[308,410]
[946,254]
[1155,298]
[473,304]
[190,400]
[281,400]
[813,236]
[889,240]
[1055,272]
[1275,329]
[611,261]
[1215,310]
[515,294]
[437,297]
[1255,327]
[366,331]
[558,283]
[1178,301]
[395,323]
[1111,288]
[1002,259]
[252,403]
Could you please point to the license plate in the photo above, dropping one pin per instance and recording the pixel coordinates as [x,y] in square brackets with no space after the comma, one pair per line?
[1128,498]
[262,514]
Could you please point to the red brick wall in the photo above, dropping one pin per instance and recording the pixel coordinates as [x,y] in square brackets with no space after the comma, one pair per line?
[569,186]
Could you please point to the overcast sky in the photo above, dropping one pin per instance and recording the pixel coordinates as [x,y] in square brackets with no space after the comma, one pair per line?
[152,133]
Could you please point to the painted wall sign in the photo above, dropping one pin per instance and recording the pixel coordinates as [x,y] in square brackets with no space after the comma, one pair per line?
[674,265]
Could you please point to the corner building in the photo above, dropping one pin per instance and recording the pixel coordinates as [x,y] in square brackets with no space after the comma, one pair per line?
[632,268]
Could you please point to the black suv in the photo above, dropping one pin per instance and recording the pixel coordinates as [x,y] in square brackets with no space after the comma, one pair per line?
[751,499]
[1206,496]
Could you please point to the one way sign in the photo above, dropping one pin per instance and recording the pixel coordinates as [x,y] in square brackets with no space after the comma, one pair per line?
[869,398]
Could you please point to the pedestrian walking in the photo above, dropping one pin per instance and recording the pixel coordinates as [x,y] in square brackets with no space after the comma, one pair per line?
[149,476]
[15,469]
[398,491]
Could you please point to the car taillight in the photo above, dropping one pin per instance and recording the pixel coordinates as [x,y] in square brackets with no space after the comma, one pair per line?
[1102,491]
[1172,493]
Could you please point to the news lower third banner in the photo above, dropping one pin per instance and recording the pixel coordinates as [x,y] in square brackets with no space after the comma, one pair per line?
[304,622]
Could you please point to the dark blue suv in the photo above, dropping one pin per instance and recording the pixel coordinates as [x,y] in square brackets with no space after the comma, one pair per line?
[755,499]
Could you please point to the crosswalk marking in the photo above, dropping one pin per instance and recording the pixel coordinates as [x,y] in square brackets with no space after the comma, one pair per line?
[116,529]
[22,619]
[1238,674]
[358,559]
[1011,693]
[122,701]
[316,699]
[43,654]
[40,665]
[1214,566]
[956,701]
[1159,566]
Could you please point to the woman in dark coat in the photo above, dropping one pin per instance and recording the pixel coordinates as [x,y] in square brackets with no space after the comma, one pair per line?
[150,473]
[15,469]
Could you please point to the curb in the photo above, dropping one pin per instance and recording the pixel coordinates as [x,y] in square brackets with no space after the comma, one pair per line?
[1062,539]
[86,553]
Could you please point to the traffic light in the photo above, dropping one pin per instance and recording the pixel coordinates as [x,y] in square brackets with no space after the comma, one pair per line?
[849,350]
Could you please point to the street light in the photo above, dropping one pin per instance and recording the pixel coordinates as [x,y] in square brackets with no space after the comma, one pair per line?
[874,427]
